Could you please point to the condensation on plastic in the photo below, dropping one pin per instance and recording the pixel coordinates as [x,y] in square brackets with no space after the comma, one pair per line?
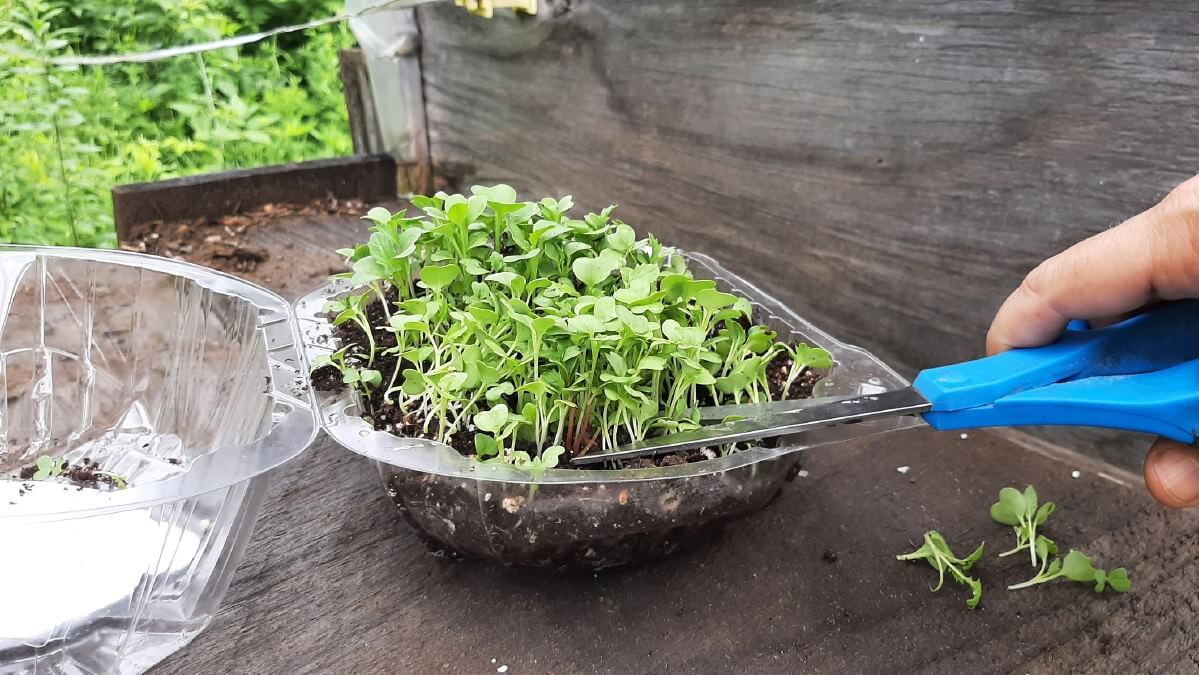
[592,518]
[184,381]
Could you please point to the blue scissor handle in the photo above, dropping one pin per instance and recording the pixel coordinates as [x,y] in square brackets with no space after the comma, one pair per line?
[1139,375]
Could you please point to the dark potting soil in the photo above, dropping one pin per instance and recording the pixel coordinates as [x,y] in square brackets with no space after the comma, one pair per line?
[385,416]
[578,527]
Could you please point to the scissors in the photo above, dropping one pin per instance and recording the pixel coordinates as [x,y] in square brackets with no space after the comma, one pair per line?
[1141,374]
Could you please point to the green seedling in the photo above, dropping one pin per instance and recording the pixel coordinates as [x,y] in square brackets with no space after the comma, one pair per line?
[938,554]
[48,467]
[539,335]
[117,481]
[365,379]
[1077,567]
[1021,512]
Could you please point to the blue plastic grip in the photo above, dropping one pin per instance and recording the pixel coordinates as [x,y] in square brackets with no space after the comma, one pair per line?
[1165,403]
[1139,375]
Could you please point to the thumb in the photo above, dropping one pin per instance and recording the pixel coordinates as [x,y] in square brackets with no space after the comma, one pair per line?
[1172,473]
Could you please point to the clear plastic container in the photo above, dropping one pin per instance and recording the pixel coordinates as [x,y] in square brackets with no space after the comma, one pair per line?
[590,519]
[184,381]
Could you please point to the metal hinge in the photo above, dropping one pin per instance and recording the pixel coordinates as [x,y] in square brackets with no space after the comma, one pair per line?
[486,8]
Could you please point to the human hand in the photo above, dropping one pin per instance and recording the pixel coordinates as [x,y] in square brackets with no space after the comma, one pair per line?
[1150,257]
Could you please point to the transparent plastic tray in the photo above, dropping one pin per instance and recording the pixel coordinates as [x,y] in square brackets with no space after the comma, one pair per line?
[186,382]
[594,518]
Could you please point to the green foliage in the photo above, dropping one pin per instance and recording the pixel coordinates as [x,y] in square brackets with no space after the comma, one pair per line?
[73,133]
[539,334]
[938,554]
[48,467]
[1022,513]
[117,481]
[1077,567]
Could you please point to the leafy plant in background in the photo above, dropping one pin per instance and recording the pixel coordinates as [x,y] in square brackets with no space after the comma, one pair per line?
[532,334]
[73,133]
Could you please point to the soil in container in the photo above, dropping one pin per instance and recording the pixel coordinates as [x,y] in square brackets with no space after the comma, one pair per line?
[637,522]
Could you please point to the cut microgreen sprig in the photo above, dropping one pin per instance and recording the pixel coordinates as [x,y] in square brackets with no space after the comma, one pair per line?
[938,554]
[48,467]
[1021,512]
[536,334]
[1077,567]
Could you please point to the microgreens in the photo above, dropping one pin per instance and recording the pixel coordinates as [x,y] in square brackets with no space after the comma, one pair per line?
[938,554]
[1022,513]
[118,482]
[48,467]
[537,335]
[1077,567]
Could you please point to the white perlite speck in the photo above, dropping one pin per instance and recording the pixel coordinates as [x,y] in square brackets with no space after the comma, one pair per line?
[1075,473]
[502,669]
[803,473]
[903,469]
[965,436]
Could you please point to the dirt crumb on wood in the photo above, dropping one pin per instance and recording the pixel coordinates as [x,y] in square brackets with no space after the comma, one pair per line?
[222,243]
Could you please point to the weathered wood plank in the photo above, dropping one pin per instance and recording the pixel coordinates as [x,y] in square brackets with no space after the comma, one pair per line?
[371,178]
[335,582]
[360,102]
[892,168]
[392,47]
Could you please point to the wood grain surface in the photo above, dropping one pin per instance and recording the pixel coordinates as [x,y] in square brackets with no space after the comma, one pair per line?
[335,582]
[891,168]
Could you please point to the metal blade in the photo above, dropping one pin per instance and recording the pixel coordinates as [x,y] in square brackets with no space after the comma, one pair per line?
[720,412]
[841,411]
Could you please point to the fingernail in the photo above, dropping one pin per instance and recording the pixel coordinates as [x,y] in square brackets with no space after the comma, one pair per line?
[1177,470]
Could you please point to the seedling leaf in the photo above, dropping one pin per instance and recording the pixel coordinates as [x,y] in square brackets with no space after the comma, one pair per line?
[437,277]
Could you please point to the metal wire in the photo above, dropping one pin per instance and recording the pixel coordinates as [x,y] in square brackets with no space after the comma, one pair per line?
[200,47]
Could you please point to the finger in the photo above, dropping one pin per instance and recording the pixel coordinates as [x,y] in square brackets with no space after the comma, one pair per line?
[1152,256]
[1172,473]
[1103,276]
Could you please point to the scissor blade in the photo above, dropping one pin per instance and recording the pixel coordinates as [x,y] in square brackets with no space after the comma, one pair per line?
[841,411]
[721,412]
